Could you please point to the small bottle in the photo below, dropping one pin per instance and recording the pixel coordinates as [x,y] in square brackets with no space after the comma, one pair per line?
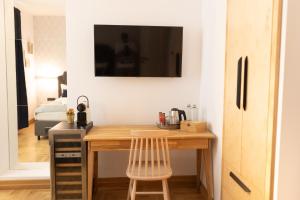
[164,119]
[194,113]
[160,118]
[189,112]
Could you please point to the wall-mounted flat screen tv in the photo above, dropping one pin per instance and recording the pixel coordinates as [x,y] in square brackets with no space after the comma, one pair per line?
[138,51]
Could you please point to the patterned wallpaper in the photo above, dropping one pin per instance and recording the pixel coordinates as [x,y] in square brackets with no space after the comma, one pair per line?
[50,44]
[50,53]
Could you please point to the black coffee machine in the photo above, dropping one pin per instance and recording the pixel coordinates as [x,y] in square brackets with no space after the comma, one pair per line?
[82,107]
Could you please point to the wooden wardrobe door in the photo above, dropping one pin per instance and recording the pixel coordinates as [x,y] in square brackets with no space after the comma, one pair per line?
[232,114]
[256,100]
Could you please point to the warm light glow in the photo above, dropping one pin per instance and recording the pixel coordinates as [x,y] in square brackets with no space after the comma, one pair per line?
[47,87]
[48,71]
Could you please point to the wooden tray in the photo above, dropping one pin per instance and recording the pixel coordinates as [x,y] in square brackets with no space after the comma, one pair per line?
[193,126]
[168,126]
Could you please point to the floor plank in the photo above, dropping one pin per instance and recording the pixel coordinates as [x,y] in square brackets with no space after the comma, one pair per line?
[178,192]
[25,194]
[30,148]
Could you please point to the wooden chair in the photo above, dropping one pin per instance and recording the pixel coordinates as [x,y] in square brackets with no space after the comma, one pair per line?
[149,160]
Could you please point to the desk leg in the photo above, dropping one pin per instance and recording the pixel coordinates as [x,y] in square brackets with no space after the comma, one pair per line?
[90,173]
[199,157]
[96,166]
[208,171]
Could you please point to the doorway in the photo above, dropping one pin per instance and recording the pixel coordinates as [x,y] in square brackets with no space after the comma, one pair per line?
[41,75]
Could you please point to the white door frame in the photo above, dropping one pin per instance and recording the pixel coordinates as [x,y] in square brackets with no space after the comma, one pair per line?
[10,169]
[4,141]
[11,83]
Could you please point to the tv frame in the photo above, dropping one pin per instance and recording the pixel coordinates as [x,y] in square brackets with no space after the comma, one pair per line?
[103,76]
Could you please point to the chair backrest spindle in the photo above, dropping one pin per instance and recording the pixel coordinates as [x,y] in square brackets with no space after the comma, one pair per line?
[149,153]
[157,155]
[163,152]
[152,157]
[168,152]
[146,158]
[140,156]
[134,154]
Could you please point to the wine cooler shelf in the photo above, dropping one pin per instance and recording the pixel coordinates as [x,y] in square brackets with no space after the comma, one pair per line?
[68,161]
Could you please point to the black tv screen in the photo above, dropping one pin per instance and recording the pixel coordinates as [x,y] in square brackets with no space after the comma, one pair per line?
[138,51]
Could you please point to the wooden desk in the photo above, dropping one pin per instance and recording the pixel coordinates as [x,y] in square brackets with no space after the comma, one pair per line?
[107,138]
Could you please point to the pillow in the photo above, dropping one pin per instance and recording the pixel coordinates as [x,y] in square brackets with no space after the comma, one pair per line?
[64,89]
[64,93]
[60,100]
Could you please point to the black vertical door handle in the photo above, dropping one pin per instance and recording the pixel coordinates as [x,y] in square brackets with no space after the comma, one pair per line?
[245,84]
[239,182]
[239,80]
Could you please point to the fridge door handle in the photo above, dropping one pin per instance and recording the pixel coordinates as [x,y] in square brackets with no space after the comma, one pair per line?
[239,80]
[245,83]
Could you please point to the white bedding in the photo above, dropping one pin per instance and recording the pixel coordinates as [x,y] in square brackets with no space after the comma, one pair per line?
[55,110]
[51,116]
[61,100]
[51,108]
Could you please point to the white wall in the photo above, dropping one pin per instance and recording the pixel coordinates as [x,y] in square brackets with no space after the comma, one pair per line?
[133,100]
[49,54]
[212,77]
[4,145]
[287,156]
[42,7]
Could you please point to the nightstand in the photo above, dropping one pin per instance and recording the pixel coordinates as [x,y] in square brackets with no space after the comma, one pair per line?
[51,99]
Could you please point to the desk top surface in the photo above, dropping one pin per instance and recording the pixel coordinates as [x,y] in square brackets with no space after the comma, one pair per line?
[122,132]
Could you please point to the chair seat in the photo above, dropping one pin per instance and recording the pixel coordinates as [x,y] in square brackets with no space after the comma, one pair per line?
[152,175]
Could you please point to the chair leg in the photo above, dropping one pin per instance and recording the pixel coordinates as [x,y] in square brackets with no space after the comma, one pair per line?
[166,189]
[133,190]
[129,189]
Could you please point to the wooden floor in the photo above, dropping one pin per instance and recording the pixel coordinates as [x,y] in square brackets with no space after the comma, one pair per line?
[25,194]
[179,191]
[30,148]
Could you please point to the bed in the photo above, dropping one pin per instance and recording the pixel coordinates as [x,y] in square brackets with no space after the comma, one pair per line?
[49,114]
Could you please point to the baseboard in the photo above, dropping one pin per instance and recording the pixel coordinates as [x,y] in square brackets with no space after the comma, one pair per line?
[24,184]
[123,182]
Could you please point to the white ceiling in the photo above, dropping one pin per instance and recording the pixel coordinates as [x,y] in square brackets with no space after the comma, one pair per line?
[42,7]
